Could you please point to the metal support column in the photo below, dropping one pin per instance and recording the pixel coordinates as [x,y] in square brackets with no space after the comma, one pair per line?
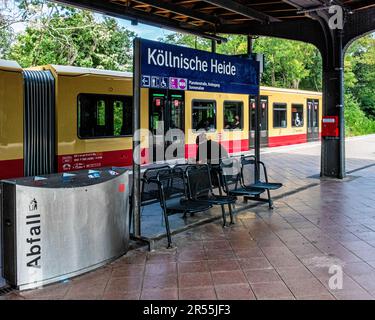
[257,117]
[340,106]
[213,46]
[249,45]
[257,137]
[333,149]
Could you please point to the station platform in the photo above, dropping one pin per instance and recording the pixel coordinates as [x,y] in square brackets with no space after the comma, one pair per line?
[287,253]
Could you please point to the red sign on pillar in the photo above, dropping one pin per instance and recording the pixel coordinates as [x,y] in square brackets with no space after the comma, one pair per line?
[330,126]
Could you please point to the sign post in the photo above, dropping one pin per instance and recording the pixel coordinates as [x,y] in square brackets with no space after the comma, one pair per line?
[136,198]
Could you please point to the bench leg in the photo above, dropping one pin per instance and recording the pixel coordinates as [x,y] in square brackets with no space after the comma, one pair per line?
[270,202]
[230,213]
[224,216]
[167,228]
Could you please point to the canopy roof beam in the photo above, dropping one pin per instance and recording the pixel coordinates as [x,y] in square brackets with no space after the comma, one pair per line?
[243,10]
[125,12]
[175,8]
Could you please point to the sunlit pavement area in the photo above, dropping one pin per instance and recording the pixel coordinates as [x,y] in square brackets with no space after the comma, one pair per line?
[286,253]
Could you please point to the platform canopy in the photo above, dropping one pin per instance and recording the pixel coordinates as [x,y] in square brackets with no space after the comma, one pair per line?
[210,17]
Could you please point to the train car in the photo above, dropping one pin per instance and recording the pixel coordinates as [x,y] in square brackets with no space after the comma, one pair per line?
[93,117]
[11,119]
[60,119]
[287,116]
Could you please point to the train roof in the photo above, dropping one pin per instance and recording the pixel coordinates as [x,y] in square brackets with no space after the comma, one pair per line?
[76,71]
[9,65]
[308,92]
[69,70]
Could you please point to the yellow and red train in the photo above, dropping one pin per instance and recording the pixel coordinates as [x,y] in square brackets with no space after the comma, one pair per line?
[60,118]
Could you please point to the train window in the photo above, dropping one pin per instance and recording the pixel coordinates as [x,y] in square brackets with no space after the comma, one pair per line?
[233,115]
[104,116]
[297,115]
[279,115]
[204,115]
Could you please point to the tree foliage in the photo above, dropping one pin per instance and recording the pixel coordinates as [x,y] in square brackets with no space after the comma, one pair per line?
[356,121]
[360,73]
[5,41]
[288,64]
[67,36]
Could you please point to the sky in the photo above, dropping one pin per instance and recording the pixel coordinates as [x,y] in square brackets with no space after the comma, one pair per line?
[145,31]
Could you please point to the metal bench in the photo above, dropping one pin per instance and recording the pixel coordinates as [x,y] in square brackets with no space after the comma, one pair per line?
[200,188]
[230,177]
[174,197]
[249,172]
[149,190]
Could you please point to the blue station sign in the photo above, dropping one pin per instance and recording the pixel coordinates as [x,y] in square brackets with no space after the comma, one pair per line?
[166,66]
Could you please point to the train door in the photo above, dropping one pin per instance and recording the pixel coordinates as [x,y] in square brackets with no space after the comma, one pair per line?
[263,121]
[312,120]
[166,112]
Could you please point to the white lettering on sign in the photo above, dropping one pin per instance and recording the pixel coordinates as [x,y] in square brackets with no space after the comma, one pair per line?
[223,68]
[33,222]
[161,58]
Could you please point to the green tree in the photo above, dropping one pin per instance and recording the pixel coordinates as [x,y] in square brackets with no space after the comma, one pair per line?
[5,41]
[235,45]
[360,73]
[187,40]
[356,121]
[287,63]
[11,13]
[62,35]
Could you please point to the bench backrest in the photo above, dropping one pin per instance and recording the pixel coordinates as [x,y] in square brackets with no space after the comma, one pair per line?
[230,172]
[199,180]
[248,170]
[172,183]
[150,191]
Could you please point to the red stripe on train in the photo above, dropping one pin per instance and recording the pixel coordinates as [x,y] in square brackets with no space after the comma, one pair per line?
[93,160]
[233,146]
[11,168]
[287,140]
[119,158]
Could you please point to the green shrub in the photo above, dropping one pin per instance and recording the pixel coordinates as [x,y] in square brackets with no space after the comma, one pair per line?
[356,122]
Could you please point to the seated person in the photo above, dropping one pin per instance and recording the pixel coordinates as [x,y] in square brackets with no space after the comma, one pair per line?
[209,151]
[203,124]
[237,122]
[211,124]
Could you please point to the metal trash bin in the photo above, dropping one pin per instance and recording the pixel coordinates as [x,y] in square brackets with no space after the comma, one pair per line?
[58,226]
